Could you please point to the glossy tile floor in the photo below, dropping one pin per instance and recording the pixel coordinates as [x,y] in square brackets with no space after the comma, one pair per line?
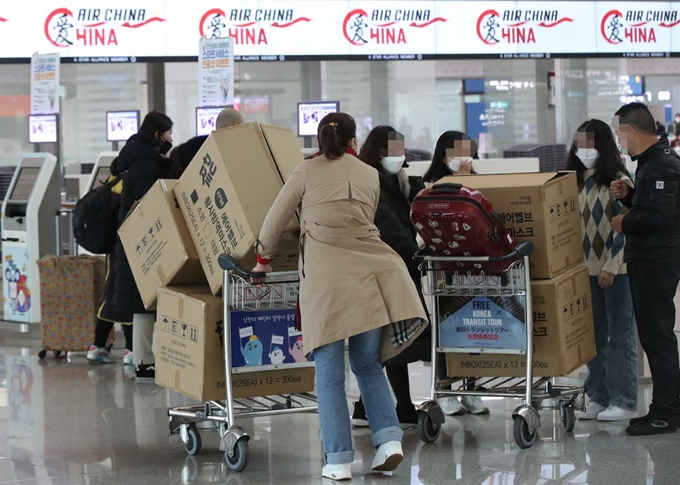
[69,422]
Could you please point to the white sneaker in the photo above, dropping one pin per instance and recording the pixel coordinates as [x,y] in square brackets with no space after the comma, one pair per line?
[615,413]
[127,358]
[593,409]
[451,406]
[474,405]
[98,354]
[337,472]
[388,457]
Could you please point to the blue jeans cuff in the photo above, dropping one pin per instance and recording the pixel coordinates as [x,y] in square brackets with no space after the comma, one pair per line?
[340,457]
[392,433]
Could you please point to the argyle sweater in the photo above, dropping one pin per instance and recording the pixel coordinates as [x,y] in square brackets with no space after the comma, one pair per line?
[602,246]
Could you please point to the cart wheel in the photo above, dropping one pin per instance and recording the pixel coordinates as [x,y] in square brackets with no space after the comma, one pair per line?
[194,443]
[57,353]
[569,417]
[42,354]
[427,430]
[239,461]
[523,438]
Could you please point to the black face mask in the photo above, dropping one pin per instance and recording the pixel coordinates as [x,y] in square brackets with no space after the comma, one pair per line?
[165,147]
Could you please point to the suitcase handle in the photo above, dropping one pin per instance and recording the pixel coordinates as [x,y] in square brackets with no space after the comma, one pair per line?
[448,187]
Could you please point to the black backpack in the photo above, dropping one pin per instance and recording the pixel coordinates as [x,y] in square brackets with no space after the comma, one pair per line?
[95,219]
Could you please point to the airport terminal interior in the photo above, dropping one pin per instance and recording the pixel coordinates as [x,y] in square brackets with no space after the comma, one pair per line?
[65,420]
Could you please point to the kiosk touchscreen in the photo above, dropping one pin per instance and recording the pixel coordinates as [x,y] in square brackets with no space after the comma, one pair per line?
[206,119]
[311,112]
[28,233]
[102,170]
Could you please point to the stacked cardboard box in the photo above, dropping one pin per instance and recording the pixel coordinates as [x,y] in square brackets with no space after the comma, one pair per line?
[541,208]
[173,240]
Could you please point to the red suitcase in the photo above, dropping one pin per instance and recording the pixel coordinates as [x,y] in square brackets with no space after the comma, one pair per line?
[454,220]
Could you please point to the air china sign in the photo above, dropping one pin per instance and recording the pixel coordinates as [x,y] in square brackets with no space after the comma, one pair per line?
[388,26]
[103,31]
[639,30]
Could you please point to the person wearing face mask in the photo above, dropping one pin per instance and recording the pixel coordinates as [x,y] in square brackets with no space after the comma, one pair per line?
[384,151]
[453,155]
[652,253]
[676,125]
[612,384]
[143,161]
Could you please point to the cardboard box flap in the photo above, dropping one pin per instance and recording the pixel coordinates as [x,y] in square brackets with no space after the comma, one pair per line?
[284,148]
[506,180]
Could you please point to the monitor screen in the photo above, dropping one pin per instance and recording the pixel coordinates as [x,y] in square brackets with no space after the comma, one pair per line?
[121,125]
[42,129]
[102,176]
[310,113]
[25,182]
[206,118]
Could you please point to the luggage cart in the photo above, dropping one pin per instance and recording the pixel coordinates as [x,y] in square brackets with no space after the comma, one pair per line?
[220,416]
[538,393]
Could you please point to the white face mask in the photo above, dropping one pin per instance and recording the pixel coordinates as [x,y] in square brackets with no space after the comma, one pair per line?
[393,164]
[454,163]
[588,156]
[677,120]
[619,147]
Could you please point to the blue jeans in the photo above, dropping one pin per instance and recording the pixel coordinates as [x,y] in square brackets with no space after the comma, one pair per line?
[336,432]
[612,374]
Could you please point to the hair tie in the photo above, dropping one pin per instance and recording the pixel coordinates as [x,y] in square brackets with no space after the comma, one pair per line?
[334,125]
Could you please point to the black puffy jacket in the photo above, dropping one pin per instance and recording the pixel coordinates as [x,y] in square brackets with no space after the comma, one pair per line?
[143,167]
[393,218]
[652,227]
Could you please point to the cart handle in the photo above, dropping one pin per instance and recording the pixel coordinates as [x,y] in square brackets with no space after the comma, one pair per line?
[523,249]
[228,263]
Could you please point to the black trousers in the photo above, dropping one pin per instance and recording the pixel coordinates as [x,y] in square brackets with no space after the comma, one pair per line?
[653,286]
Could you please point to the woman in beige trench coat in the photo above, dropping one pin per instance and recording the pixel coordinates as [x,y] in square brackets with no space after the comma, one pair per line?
[352,285]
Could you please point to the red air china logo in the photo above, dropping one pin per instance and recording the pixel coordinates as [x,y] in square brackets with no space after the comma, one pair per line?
[385,26]
[247,26]
[636,26]
[94,26]
[2,20]
[516,26]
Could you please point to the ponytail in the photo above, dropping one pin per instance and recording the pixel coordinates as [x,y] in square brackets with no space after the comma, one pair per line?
[336,131]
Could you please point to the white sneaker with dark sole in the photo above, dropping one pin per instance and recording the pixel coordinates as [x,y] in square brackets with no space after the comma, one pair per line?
[388,457]
[337,472]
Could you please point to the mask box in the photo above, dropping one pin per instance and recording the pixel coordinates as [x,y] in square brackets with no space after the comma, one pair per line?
[539,207]
[190,353]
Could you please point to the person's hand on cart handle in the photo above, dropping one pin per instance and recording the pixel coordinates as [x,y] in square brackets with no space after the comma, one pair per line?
[260,268]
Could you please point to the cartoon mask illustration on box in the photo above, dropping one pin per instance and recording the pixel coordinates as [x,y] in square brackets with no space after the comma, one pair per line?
[298,351]
[252,352]
[277,356]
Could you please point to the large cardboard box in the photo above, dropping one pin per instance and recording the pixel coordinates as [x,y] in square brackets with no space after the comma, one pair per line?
[225,195]
[158,245]
[538,207]
[190,356]
[285,149]
[564,338]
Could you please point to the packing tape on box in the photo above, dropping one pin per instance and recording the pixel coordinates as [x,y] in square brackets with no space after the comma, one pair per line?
[160,272]
[180,310]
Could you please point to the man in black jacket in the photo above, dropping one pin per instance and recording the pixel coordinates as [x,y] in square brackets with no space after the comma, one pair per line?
[652,252]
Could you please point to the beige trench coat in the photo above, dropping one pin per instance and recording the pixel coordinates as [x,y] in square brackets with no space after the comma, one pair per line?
[350,281]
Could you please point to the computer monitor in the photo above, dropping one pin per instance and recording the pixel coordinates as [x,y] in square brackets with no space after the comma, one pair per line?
[206,119]
[25,182]
[121,125]
[310,113]
[43,128]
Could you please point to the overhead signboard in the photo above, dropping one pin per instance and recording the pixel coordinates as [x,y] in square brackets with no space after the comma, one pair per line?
[271,30]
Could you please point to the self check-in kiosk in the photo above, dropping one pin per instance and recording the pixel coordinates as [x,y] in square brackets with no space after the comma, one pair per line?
[102,170]
[28,233]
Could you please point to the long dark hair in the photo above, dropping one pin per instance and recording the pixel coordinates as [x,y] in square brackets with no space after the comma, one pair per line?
[374,148]
[336,131]
[438,168]
[154,122]
[609,164]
